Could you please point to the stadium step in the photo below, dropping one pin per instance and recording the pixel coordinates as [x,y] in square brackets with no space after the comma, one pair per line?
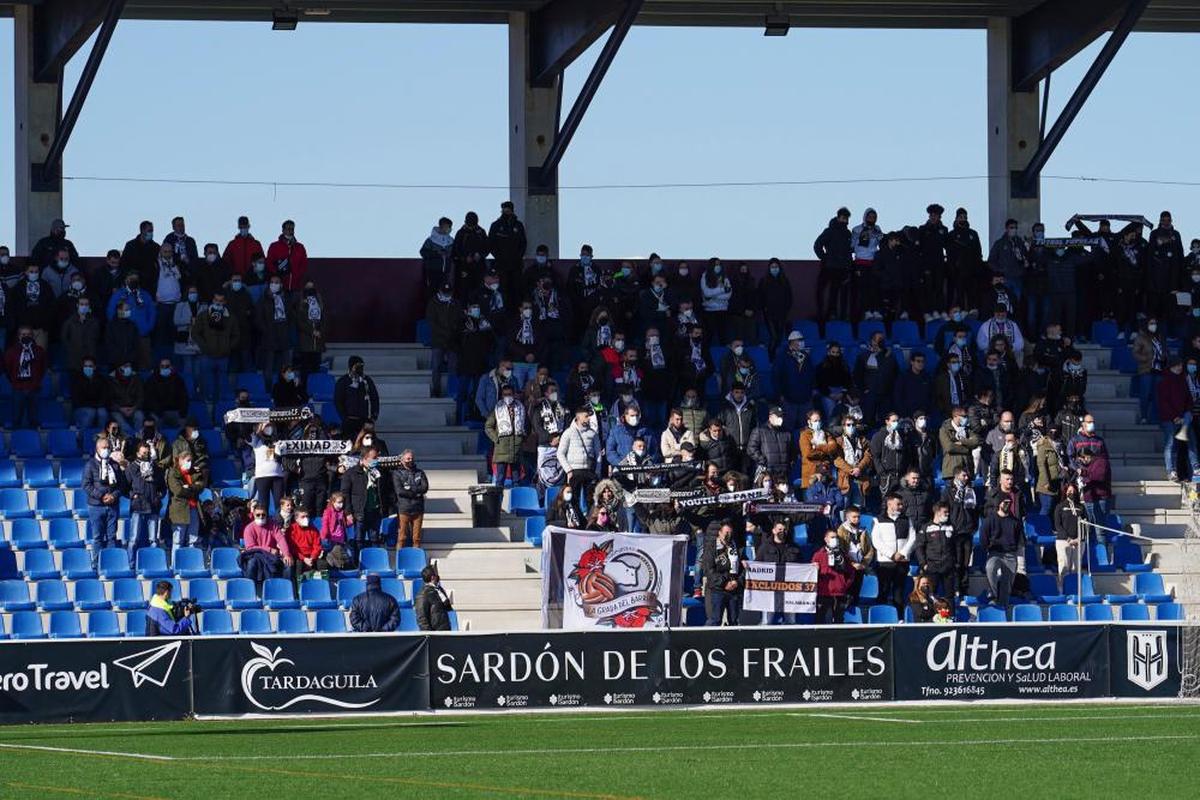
[480,560]
[412,412]
[379,359]
[453,532]
[519,592]
[429,441]
[491,618]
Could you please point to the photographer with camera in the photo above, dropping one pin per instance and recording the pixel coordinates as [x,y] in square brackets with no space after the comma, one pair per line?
[167,619]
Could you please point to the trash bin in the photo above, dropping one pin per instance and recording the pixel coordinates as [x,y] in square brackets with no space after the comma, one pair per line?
[485,505]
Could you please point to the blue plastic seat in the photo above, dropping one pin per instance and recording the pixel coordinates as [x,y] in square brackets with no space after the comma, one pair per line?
[65,625]
[330,620]
[128,595]
[535,527]
[1149,587]
[52,504]
[1135,612]
[14,504]
[1064,612]
[90,595]
[218,622]
[254,621]
[206,592]
[26,534]
[374,561]
[26,444]
[198,409]
[1129,557]
[27,625]
[409,562]
[452,618]
[316,595]
[70,473]
[1097,613]
[1027,612]
[77,564]
[63,444]
[869,592]
[1105,332]
[64,534]
[320,386]
[217,446]
[854,616]
[278,594]
[991,614]
[40,566]
[52,596]
[240,594]
[1070,588]
[253,383]
[39,474]
[51,414]
[225,562]
[1169,611]
[8,475]
[79,503]
[103,625]
[395,587]
[838,330]
[348,589]
[188,562]
[868,328]
[523,501]
[152,563]
[14,596]
[224,474]
[135,623]
[1096,558]
[883,615]
[408,620]
[905,333]
[293,620]
[1045,588]
[114,564]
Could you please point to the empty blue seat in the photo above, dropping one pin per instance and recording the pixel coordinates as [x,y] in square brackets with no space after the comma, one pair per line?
[535,527]
[1045,588]
[452,618]
[51,414]
[52,596]
[224,474]
[293,620]
[254,621]
[65,625]
[1169,611]
[127,594]
[26,444]
[1027,612]
[320,386]
[1062,612]
[8,475]
[114,563]
[27,625]
[206,592]
[63,444]
[77,564]
[395,587]
[1097,613]
[868,328]
[218,622]
[64,534]
[853,616]
[869,591]
[90,595]
[14,504]
[70,473]
[374,561]
[408,620]
[252,382]
[52,504]
[1128,556]
[40,566]
[991,614]
[39,474]
[1135,612]
[79,503]
[837,330]
[905,333]
[135,623]
[1070,588]
[523,501]
[409,562]
[1104,333]
[240,594]
[348,589]
[225,562]
[152,563]
[188,562]
[215,439]
[26,534]
[278,593]
[1096,558]
[315,594]
[883,615]
[1149,586]
[330,621]
[103,625]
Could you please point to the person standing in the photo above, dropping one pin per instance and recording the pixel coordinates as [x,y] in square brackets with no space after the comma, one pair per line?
[140,256]
[936,551]
[834,250]
[437,256]
[355,398]
[146,487]
[775,297]
[893,542]
[366,496]
[723,579]
[273,321]
[288,259]
[242,249]
[507,426]
[446,328]
[25,364]
[507,243]
[432,604]
[410,485]
[1002,538]
[959,497]
[308,315]
[185,483]
[103,483]
[1068,532]
[835,577]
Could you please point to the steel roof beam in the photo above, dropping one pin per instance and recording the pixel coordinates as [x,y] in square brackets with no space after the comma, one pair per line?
[563,30]
[1050,35]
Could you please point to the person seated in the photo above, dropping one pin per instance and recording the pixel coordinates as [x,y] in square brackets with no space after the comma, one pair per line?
[922,601]
[288,391]
[374,611]
[126,398]
[266,552]
[304,542]
[166,397]
[89,396]
[165,619]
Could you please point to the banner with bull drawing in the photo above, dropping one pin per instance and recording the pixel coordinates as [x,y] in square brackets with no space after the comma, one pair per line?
[780,588]
[595,579]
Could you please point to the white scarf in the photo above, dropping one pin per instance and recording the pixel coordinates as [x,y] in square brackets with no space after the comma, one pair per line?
[603,335]
[25,367]
[629,376]
[33,290]
[892,440]
[851,450]
[442,240]
[107,476]
[510,420]
[656,356]
[525,335]
[280,311]
[955,392]
[314,308]
[697,356]
[1194,388]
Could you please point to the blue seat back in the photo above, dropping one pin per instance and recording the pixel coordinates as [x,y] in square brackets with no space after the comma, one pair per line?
[278,589]
[65,625]
[39,562]
[315,590]
[330,620]
[135,623]
[394,587]
[27,625]
[217,622]
[1027,612]
[1148,583]
[350,588]
[153,559]
[293,620]
[1135,612]
[240,589]
[64,533]
[187,559]
[104,623]
[870,588]
[883,615]
[77,561]
[1169,611]
[52,591]
[255,622]
[113,559]
[204,590]
[89,590]
[1063,612]
[374,559]
[128,590]
[225,560]
[410,561]
[1097,613]
[991,614]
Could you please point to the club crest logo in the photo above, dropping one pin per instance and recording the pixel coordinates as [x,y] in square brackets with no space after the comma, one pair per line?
[1147,658]
[618,588]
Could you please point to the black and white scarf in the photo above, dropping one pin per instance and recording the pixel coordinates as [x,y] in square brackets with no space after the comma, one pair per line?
[964,495]
[525,335]
[1159,356]
[955,390]
[25,367]
[893,441]
[547,304]
[107,476]
[510,419]
[603,335]
[33,290]
[799,356]
[280,310]
[314,309]
[697,355]
[852,450]
[1194,388]
[657,359]
[630,377]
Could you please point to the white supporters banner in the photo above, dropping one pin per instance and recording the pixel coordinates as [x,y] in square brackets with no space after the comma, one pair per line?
[255,416]
[594,579]
[312,447]
[780,588]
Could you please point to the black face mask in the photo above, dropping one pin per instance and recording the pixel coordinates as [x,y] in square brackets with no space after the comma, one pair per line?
[310,292]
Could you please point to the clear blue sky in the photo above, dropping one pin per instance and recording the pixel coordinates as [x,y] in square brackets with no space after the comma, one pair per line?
[427,105]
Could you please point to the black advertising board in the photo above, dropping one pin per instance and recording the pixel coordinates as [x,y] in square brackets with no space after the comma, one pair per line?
[660,668]
[94,680]
[987,662]
[328,675]
[1146,660]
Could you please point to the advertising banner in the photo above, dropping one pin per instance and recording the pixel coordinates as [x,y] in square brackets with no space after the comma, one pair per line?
[1146,660]
[596,580]
[661,668]
[259,675]
[780,588]
[94,680]
[975,662]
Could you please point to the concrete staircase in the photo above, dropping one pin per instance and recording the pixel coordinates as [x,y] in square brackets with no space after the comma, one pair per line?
[492,575]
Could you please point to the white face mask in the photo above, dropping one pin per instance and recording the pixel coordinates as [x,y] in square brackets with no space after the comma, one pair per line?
[815,424]
[920,423]
[634,419]
[553,396]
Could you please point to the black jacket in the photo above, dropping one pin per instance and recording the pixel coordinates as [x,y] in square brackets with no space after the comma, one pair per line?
[374,611]
[354,487]
[964,514]
[165,394]
[1066,520]
[410,487]
[1001,535]
[432,611]
[718,567]
[834,246]
[772,553]
[739,424]
[723,452]
[506,239]
[935,547]
[772,449]
[918,504]
[356,402]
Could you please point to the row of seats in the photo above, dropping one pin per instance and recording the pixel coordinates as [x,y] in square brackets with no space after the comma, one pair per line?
[1148,588]
[1028,612]
[320,385]
[28,445]
[107,624]
[131,594]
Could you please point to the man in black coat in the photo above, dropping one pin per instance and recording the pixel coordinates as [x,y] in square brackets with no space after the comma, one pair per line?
[355,398]
[506,240]
[835,251]
[141,256]
[374,611]
[409,485]
[936,551]
[432,604]
[771,447]
[778,548]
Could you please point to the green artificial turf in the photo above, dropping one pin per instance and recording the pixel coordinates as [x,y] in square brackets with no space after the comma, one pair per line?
[1022,752]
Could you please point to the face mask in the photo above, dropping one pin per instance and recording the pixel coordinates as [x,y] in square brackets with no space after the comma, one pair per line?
[774,272]
[103,453]
[552,396]
[594,399]
[31,276]
[958,316]
[526,313]
[260,268]
[275,287]
[368,441]
[737,351]
[683,272]
[1152,327]
[776,422]
[126,371]
[832,543]
[508,399]
[633,420]
[541,260]
[955,366]
[193,297]
[243,231]
[267,431]
[651,340]
[639,453]
[4,261]
[659,288]
[492,287]
[1090,427]
[891,426]
[77,286]
[211,258]
[235,285]
[920,423]
[260,518]
[473,313]
[338,506]
[186,464]
[285,515]
[1191,368]
[148,236]
[814,424]
[656,267]
[89,372]
[506,373]
[165,372]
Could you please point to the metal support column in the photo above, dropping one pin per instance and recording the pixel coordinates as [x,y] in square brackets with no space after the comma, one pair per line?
[1013,134]
[35,119]
[532,125]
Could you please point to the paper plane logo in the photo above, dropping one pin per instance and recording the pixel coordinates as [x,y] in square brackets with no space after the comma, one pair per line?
[151,666]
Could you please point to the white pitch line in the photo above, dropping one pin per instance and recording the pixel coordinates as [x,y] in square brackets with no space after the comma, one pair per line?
[77,751]
[859,717]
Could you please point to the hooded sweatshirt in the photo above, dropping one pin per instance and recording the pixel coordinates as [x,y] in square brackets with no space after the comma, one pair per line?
[866,240]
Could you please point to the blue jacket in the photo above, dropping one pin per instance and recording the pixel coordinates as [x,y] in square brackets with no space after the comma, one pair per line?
[144,312]
[160,623]
[793,382]
[488,393]
[620,441]
[94,488]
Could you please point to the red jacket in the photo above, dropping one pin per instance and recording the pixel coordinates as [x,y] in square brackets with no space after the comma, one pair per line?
[240,253]
[832,582]
[1174,399]
[12,362]
[297,262]
[303,542]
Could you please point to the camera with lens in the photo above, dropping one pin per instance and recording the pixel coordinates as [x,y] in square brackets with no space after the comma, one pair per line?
[183,605]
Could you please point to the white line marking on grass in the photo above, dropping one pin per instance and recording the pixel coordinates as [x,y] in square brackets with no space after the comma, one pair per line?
[858,717]
[550,751]
[77,751]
